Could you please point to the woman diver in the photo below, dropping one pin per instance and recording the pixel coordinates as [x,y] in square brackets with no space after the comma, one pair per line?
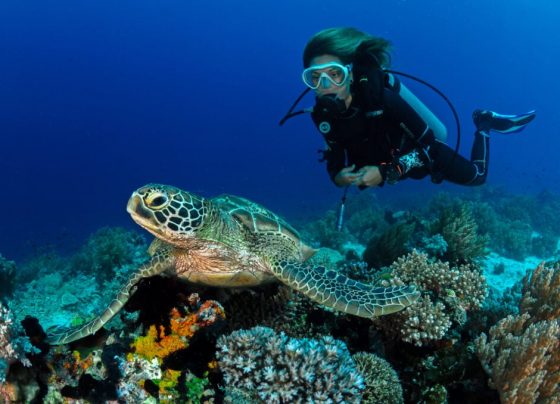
[376,130]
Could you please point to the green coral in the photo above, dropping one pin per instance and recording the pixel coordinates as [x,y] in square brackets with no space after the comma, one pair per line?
[384,250]
[108,249]
[459,229]
[196,388]
[381,380]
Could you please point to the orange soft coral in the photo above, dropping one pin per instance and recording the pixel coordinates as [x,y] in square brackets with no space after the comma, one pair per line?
[158,345]
[208,313]
[150,346]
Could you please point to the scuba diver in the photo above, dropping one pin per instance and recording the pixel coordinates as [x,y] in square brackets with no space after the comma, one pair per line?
[376,130]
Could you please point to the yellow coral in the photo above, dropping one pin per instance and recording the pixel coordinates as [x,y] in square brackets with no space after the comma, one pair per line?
[149,347]
[158,345]
[169,381]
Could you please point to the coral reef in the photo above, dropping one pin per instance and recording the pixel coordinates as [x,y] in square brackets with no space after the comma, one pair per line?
[541,293]
[522,359]
[108,249]
[7,278]
[521,354]
[12,345]
[448,293]
[158,343]
[276,368]
[383,250]
[323,232]
[381,381]
[460,231]
[74,289]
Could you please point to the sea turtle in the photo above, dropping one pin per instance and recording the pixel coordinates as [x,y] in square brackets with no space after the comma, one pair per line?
[229,241]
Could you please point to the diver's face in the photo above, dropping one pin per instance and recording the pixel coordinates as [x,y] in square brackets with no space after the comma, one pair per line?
[343,91]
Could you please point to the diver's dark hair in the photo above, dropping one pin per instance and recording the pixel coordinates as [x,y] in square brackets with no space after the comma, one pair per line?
[343,42]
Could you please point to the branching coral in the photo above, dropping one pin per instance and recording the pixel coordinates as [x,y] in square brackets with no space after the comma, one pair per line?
[282,369]
[541,293]
[522,353]
[449,292]
[381,380]
[522,359]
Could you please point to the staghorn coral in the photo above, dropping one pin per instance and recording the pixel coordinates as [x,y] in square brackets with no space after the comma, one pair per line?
[381,380]
[460,231]
[449,292]
[522,353]
[282,369]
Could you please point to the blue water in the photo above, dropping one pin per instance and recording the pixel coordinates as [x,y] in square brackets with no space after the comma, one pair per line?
[99,98]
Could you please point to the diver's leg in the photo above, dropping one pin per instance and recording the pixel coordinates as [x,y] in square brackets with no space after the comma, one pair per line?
[456,168]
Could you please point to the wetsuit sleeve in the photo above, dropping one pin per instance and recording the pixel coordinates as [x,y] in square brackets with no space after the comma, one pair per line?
[336,159]
[403,114]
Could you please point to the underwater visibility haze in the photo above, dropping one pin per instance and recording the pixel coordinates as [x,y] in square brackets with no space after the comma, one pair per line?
[99,99]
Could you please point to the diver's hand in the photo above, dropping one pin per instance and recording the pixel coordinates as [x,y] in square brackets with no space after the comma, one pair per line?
[369,176]
[346,176]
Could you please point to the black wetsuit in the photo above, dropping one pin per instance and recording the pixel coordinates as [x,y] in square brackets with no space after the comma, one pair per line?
[389,137]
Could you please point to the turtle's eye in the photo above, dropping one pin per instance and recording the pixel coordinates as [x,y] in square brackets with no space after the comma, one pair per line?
[157,200]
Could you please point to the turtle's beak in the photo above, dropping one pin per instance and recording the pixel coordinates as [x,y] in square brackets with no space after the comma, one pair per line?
[138,211]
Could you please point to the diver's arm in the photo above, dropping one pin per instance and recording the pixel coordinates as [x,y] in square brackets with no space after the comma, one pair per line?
[336,160]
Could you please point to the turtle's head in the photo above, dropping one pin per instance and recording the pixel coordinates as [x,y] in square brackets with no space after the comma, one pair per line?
[167,212]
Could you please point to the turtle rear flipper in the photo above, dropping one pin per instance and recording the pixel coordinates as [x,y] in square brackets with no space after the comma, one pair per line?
[341,293]
[160,262]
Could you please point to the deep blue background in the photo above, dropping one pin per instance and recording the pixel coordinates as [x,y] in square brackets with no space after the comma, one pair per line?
[100,97]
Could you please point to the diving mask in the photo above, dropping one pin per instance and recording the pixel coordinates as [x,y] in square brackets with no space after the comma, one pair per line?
[326,74]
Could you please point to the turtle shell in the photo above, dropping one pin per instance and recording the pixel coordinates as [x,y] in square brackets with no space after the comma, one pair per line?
[258,219]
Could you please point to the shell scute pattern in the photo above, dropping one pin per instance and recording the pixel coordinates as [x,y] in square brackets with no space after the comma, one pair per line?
[255,217]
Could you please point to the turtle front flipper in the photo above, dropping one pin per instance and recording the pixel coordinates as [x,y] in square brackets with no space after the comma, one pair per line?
[341,293]
[160,262]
